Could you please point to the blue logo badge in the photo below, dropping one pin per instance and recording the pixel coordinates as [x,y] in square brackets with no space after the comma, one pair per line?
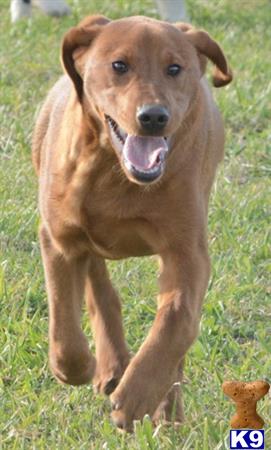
[248,439]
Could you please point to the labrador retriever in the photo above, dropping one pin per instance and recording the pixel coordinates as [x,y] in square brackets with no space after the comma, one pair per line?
[126,147]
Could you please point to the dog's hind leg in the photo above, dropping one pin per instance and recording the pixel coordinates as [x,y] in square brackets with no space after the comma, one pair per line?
[70,359]
[105,311]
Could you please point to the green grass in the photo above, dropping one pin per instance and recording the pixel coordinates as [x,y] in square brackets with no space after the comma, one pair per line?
[235,338]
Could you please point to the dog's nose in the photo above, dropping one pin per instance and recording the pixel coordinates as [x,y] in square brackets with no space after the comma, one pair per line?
[152,117]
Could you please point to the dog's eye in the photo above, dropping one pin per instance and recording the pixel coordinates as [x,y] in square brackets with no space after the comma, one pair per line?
[120,66]
[173,70]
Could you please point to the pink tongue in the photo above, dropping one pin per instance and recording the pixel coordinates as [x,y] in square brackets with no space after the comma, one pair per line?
[144,152]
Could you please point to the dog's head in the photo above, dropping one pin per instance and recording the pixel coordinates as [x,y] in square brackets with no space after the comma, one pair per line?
[141,75]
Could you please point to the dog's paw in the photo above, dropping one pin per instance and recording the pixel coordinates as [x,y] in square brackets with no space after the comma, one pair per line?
[106,383]
[107,376]
[135,397]
[141,390]
[72,366]
[129,405]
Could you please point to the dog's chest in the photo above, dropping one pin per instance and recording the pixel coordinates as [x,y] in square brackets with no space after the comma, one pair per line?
[117,239]
[119,230]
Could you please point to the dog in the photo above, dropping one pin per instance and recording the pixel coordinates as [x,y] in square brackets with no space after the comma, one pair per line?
[126,148]
[169,10]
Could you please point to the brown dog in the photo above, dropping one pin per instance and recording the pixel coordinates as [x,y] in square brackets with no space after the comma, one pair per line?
[126,147]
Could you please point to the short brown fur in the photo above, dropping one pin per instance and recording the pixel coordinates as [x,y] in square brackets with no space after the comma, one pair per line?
[92,209]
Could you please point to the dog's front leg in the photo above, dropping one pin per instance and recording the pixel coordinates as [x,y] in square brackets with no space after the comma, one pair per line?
[70,359]
[151,373]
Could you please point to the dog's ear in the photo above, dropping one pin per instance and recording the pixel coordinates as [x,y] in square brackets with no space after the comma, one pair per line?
[207,47]
[74,44]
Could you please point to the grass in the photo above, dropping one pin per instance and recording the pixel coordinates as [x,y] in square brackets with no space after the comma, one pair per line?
[235,338]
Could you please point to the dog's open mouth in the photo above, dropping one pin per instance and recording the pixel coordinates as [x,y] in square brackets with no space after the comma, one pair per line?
[142,156]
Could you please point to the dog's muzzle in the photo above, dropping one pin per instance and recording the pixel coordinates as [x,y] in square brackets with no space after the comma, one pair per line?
[142,156]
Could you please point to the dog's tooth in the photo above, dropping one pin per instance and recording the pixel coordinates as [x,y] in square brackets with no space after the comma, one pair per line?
[117,130]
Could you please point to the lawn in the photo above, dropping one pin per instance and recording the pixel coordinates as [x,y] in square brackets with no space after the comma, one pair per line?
[235,335]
